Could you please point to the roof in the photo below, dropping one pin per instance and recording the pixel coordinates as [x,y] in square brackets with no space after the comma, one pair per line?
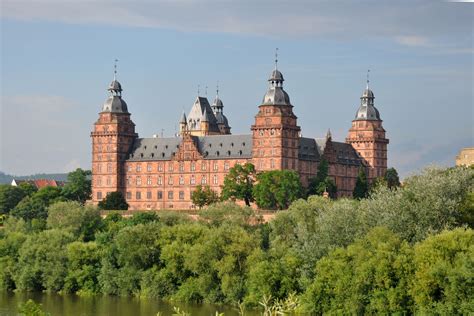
[211,147]
[313,149]
[115,104]
[201,105]
[40,183]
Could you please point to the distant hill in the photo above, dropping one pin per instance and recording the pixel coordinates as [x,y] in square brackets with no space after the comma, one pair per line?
[7,178]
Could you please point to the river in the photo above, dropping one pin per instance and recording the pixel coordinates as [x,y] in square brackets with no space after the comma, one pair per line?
[73,305]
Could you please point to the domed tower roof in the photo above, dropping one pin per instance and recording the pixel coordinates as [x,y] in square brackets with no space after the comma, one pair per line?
[218,109]
[367,109]
[114,103]
[275,94]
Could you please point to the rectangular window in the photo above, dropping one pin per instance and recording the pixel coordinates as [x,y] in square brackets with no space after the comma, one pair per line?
[129,181]
[215,179]
[193,166]
[216,166]
[193,180]
[129,168]
[170,180]
[160,167]
[129,195]
[139,181]
[138,195]
[99,168]
[170,195]
[170,166]
[148,195]
[99,181]
[148,180]
[226,166]
[181,195]
[203,166]
[148,167]
[203,180]
[159,195]
[181,167]
[109,181]
[139,168]
[181,180]
[160,180]
[99,195]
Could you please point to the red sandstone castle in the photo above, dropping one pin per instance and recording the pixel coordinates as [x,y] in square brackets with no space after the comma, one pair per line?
[161,173]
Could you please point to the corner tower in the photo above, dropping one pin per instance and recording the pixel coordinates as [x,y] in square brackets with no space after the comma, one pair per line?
[112,138]
[367,135]
[275,133]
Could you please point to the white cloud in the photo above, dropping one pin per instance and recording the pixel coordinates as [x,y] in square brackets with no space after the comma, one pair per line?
[412,40]
[408,23]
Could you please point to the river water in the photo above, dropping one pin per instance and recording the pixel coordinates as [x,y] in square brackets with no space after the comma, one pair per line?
[73,305]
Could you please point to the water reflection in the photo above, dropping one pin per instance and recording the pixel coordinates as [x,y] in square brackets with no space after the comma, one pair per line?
[65,305]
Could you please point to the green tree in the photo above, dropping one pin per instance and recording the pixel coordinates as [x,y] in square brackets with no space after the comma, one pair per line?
[238,183]
[82,221]
[48,195]
[204,195]
[322,182]
[443,283]
[78,186]
[391,176]
[276,189]
[114,201]
[10,196]
[83,268]
[30,208]
[361,188]
[227,212]
[28,188]
[370,276]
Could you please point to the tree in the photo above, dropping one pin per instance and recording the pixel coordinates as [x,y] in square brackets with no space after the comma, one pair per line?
[114,201]
[10,196]
[371,276]
[391,176]
[276,189]
[443,282]
[28,188]
[30,308]
[82,221]
[361,188]
[204,196]
[238,183]
[30,208]
[78,186]
[322,182]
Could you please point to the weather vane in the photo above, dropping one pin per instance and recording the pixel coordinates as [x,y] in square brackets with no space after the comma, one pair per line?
[205,91]
[199,89]
[368,71]
[217,87]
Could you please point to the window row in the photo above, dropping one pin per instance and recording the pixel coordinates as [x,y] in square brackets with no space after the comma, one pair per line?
[181,167]
[159,195]
[171,180]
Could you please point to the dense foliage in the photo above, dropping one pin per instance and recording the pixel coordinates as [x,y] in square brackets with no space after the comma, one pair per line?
[276,189]
[114,201]
[405,250]
[204,195]
[322,182]
[238,183]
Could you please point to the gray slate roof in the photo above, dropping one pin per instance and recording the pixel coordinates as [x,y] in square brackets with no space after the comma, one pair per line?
[346,154]
[200,107]
[211,147]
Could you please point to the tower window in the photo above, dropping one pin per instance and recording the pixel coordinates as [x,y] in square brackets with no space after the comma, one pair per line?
[159,195]
[170,195]
[181,195]
[138,195]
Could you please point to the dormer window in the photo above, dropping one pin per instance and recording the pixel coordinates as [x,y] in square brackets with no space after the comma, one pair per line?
[228,153]
[217,153]
[243,144]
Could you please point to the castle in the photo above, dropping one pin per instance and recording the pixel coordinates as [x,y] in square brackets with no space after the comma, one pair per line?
[161,173]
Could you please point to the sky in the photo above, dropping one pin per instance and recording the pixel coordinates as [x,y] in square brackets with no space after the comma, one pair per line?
[57,59]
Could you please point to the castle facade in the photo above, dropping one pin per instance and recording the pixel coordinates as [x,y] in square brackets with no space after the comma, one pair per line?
[161,173]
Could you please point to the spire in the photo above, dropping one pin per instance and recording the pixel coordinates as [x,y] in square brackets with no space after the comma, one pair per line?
[115,69]
[183,119]
[276,58]
[199,90]
[217,89]
[328,134]
[368,71]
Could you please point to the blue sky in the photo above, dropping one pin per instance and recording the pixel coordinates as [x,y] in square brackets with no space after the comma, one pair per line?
[57,60]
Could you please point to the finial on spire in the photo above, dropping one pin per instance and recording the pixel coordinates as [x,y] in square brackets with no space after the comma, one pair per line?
[217,88]
[328,134]
[115,68]
[205,91]
[276,58]
[199,89]
[368,72]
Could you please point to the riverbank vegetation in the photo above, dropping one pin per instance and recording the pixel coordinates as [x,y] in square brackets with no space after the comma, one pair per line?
[406,249]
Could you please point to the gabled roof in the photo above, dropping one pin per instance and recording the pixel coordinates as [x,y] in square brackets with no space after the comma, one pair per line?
[200,108]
